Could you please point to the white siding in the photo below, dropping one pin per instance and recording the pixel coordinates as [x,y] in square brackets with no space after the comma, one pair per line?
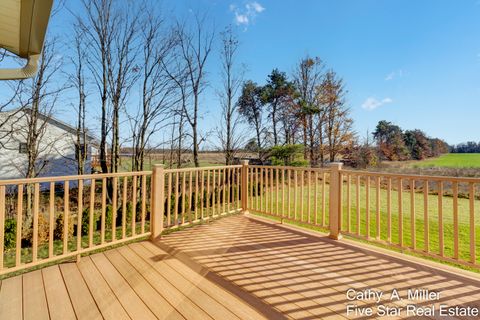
[56,145]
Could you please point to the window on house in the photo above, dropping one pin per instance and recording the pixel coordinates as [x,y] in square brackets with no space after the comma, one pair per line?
[80,149]
[22,148]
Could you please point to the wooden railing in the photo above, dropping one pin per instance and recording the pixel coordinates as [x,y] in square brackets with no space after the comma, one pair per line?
[199,194]
[48,219]
[430,215]
[290,193]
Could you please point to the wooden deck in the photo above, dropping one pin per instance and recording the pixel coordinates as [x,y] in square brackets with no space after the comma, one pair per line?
[233,268]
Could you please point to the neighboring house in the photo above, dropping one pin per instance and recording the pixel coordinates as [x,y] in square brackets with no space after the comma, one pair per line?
[57,145]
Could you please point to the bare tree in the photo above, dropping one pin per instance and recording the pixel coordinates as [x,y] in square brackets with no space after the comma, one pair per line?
[123,71]
[99,27]
[195,46]
[38,98]
[232,81]
[158,94]
[78,81]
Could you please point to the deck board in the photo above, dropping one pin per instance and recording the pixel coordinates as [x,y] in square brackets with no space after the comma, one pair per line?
[82,301]
[11,306]
[175,297]
[107,302]
[34,300]
[58,300]
[234,268]
[145,290]
[130,301]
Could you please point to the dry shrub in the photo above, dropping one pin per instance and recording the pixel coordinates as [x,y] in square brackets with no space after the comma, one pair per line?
[58,230]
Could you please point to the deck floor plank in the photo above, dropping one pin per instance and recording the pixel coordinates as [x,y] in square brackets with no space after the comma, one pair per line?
[154,300]
[107,302]
[175,297]
[238,307]
[134,306]
[192,292]
[11,298]
[82,301]
[34,300]
[58,300]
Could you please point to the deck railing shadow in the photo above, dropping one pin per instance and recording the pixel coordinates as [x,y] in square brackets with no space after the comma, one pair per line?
[296,281]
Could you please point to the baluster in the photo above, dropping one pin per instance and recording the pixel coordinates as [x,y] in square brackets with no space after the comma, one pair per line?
[104,204]
[323,200]
[80,213]
[66,215]
[144,200]
[91,213]
[378,234]
[367,206]
[357,191]
[295,186]
[412,213]
[184,195]
[455,220]
[124,207]
[389,210]
[114,209]
[309,201]
[302,186]
[190,189]
[400,212]
[440,218]
[196,195]
[175,213]
[134,204]
[202,195]
[315,199]
[2,225]
[18,243]
[472,222]
[426,227]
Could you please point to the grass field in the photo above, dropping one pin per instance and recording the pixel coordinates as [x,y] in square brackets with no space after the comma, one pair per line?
[451,160]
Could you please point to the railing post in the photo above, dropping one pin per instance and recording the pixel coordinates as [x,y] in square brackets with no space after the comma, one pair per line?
[157,200]
[244,186]
[335,205]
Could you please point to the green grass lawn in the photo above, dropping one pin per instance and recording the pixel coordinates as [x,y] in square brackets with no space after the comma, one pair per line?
[452,160]
[407,217]
[126,165]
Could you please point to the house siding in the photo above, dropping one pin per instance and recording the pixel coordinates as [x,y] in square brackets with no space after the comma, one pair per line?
[57,146]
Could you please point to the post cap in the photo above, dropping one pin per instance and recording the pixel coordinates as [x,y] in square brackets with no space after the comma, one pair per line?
[335,165]
[244,162]
[158,165]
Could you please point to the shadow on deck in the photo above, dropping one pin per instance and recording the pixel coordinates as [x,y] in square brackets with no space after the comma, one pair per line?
[234,268]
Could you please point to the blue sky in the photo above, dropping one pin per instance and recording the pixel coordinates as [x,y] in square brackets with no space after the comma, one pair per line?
[415,63]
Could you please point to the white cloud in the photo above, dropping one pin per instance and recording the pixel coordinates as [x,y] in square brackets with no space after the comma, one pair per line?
[241,18]
[255,6]
[246,14]
[373,103]
[394,74]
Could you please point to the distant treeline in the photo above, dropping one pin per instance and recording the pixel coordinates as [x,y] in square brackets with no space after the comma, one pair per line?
[395,144]
[466,147]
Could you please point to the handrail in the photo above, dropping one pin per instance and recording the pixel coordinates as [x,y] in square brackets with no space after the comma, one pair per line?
[73,177]
[414,176]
